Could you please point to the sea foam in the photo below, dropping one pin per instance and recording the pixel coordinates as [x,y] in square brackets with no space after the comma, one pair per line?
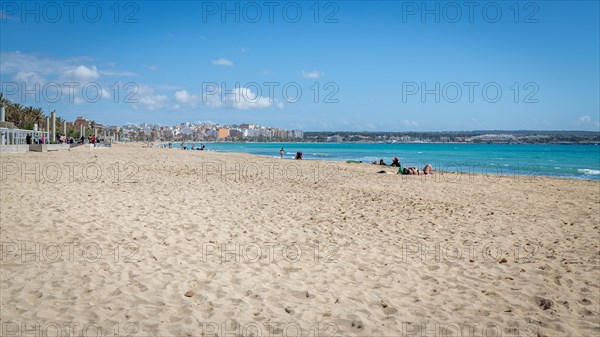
[589,172]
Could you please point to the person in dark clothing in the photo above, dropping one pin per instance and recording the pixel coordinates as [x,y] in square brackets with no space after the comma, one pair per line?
[381,162]
[298,156]
[395,162]
[28,139]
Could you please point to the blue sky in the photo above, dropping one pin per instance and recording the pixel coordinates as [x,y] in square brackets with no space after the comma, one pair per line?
[363,66]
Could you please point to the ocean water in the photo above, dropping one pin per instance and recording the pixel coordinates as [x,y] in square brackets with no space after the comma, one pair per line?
[567,161]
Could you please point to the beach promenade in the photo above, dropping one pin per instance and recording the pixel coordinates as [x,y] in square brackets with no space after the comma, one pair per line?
[133,241]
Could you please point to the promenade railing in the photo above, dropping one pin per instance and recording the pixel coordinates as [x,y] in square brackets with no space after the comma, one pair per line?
[18,136]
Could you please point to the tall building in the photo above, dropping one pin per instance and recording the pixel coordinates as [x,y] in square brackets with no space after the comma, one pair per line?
[81,121]
[236,133]
[223,133]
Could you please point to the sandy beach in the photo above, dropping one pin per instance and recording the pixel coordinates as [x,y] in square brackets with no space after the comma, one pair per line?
[134,241]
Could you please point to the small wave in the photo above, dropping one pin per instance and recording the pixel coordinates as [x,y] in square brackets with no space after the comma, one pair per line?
[589,172]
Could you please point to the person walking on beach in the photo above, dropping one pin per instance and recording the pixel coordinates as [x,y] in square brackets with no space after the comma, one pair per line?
[281,152]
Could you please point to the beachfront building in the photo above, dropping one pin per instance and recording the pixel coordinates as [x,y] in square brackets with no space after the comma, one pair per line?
[201,131]
[80,121]
[335,139]
[212,133]
[295,134]
[250,133]
[263,133]
[236,133]
[277,133]
[247,126]
[223,133]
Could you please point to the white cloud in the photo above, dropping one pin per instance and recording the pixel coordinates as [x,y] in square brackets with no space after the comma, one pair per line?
[222,62]
[185,97]
[410,123]
[69,69]
[153,102]
[117,73]
[147,97]
[13,62]
[587,120]
[244,99]
[153,68]
[105,93]
[29,78]
[312,74]
[80,74]
[240,98]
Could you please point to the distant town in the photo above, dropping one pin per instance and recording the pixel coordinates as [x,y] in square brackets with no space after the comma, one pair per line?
[206,131]
[257,133]
[202,131]
[21,120]
[473,137]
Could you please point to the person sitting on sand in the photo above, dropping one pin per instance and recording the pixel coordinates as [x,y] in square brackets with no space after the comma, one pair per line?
[395,162]
[428,169]
[381,162]
[298,156]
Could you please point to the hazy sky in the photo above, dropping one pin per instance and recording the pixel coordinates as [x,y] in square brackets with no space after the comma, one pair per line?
[346,65]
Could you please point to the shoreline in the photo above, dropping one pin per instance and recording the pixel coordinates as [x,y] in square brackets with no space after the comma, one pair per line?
[470,165]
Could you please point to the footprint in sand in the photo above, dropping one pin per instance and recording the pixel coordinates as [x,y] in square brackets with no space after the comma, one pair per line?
[544,303]
[358,325]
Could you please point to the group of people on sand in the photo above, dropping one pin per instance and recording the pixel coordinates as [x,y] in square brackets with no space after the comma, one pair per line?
[428,169]
[184,147]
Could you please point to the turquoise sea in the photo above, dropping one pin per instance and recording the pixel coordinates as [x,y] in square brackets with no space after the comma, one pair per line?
[568,161]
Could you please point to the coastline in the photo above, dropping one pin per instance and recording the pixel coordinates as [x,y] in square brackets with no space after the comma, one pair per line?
[313,244]
[564,163]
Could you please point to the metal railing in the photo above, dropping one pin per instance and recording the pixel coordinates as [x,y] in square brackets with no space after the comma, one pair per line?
[18,136]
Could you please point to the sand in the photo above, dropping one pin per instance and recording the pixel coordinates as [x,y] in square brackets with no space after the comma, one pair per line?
[133,241]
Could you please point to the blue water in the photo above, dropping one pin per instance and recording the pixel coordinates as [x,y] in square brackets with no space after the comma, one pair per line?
[568,161]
